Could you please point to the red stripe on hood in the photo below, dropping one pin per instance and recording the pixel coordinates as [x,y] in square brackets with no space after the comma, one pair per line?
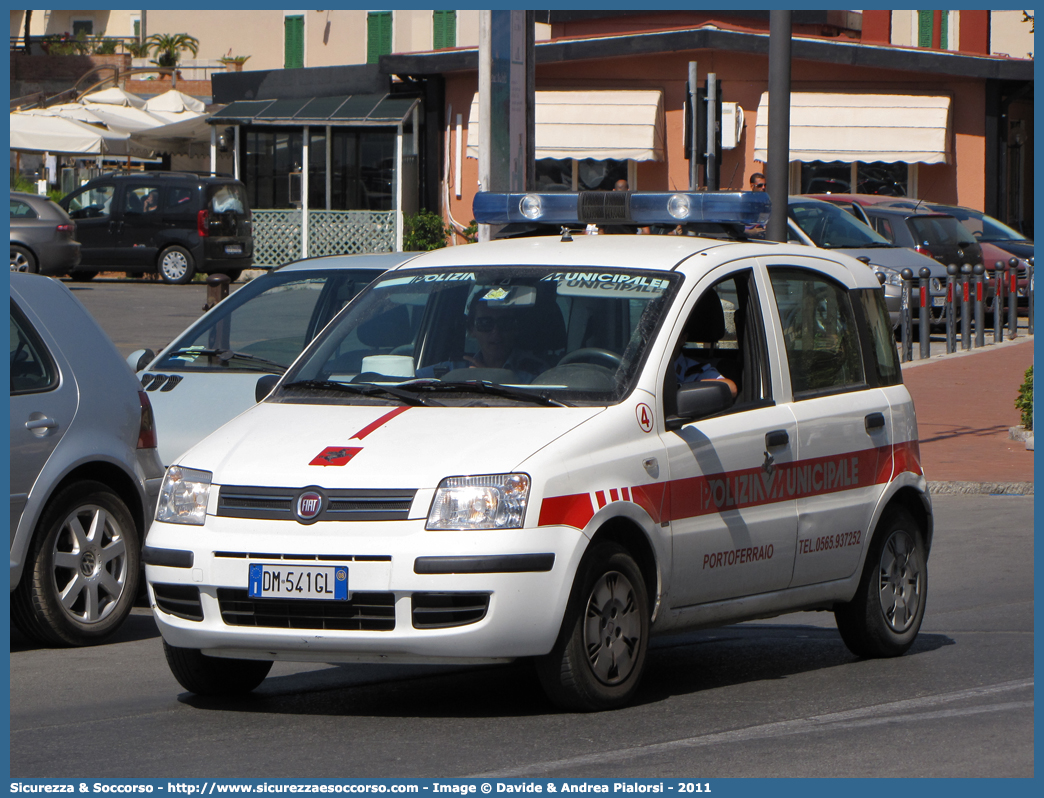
[379,423]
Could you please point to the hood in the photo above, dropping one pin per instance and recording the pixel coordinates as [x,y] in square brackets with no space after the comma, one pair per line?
[897,258]
[376,446]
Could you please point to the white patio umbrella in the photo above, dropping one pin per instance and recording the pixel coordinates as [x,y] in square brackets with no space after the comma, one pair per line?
[123,117]
[114,96]
[187,137]
[37,132]
[174,105]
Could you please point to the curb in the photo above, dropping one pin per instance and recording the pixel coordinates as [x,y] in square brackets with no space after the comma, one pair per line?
[980,488]
[939,357]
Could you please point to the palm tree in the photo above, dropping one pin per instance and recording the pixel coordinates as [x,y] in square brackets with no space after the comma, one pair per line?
[168,46]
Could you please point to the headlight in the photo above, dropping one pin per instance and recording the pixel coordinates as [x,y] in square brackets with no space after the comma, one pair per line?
[183,496]
[892,277]
[495,501]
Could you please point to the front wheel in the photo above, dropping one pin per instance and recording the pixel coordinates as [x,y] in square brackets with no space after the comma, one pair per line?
[176,266]
[599,656]
[215,676]
[81,574]
[883,618]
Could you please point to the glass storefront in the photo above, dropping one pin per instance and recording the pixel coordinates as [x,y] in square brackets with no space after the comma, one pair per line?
[837,177]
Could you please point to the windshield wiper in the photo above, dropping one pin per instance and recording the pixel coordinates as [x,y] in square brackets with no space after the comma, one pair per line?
[485,387]
[363,389]
[225,355]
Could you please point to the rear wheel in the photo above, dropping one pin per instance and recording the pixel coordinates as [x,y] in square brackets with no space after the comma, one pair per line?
[215,676]
[599,656]
[22,260]
[176,266]
[883,618]
[81,572]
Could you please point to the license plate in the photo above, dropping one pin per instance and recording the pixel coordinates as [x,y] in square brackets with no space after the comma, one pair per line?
[938,301]
[233,249]
[280,580]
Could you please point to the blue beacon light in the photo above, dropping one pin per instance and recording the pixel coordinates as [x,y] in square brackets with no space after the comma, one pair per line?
[623,207]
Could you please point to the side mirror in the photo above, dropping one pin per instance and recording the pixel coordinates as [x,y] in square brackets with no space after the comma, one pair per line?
[264,386]
[140,358]
[700,399]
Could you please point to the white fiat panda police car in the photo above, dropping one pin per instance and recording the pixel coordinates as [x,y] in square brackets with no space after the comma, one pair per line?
[555,448]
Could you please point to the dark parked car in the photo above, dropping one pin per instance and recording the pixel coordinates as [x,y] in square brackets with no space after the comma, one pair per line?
[85,472]
[43,237]
[937,235]
[174,223]
[985,228]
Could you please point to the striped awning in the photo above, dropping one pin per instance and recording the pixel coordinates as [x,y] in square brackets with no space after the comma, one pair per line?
[893,128]
[603,125]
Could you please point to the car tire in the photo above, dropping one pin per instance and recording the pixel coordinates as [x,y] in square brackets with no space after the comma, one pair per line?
[82,568]
[22,260]
[176,266]
[883,618]
[598,659]
[82,277]
[214,676]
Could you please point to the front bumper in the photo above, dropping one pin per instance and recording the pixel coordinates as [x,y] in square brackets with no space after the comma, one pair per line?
[514,585]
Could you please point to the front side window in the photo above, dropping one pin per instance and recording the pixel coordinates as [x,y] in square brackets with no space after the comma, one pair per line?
[500,335]
[819,331]
[32,369]
[265,325]
[92,203]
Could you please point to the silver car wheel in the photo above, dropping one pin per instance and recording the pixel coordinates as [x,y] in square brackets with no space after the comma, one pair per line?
[174,265]
[90,564]
[19,262]
[900,581]
[612,628]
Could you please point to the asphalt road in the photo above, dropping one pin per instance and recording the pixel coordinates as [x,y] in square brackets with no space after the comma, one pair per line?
[780,698]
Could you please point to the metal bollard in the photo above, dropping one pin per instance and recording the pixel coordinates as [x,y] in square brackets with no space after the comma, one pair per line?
[906,351]
[965,307]
[1029,295]
[998,303]
[924,328]
[951,309]
[217,289]
[980,311]
[1011,271]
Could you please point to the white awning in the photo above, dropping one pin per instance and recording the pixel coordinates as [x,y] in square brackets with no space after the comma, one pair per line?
[893,128]
[603,125]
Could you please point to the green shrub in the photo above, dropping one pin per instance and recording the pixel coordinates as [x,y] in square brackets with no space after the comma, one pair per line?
[1024,402]
[423,232]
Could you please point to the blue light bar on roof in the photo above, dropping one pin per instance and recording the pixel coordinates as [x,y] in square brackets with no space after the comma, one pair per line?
[623,207]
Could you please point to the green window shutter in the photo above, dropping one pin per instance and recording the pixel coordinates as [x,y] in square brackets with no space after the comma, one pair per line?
[924,28]
[293,42]
[378,35]
[444,29]
[944,38]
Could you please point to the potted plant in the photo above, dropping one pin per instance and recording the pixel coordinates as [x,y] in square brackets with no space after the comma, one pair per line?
[234,63]
[167,47]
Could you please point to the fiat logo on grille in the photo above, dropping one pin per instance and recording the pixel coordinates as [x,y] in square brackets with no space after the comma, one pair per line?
[309,506]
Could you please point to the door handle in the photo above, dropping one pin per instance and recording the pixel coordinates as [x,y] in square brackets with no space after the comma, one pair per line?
[777,437]
[874,421]
[43,423]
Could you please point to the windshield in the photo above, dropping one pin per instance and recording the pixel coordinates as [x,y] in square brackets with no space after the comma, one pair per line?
[265,324]
[495,335]
[984,227]
[831,227]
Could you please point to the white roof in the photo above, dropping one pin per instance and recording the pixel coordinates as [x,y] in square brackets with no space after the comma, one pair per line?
[602,125]
[894,128]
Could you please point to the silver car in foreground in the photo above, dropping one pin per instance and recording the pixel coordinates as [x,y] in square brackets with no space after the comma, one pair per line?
[85,472]
[208,375]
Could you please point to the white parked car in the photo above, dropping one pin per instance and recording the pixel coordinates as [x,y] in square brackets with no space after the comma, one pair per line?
[496,452]
[208,374]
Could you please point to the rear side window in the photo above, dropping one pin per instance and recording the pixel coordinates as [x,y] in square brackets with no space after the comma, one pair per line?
[21,210]
[179,200]
[32,369]
[819,331]
[228,197]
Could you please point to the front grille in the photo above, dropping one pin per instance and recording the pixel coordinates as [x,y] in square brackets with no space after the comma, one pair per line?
[365,612]
[181,601]
[240,501]
[442,610]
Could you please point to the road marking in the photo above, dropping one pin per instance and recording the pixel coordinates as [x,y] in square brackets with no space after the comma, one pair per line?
[849,719]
